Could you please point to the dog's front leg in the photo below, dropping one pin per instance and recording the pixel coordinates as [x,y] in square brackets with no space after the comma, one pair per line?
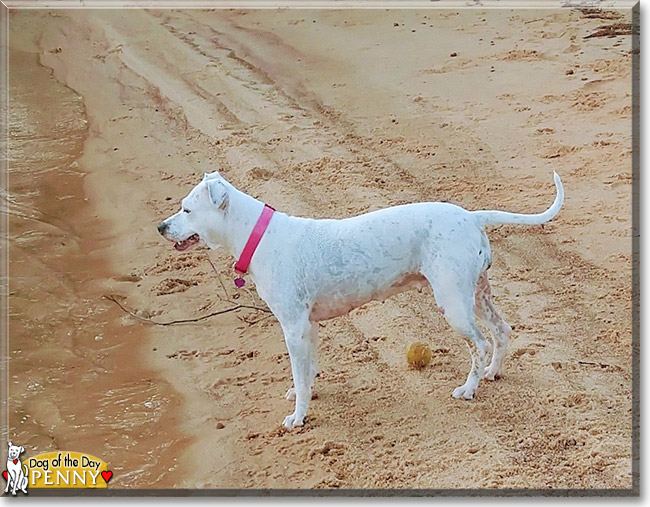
[313,361]
[297,337]
[14,482]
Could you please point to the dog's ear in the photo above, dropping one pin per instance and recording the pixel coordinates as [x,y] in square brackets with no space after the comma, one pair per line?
[208,176]
[9,444]
[22,450]
[218,194]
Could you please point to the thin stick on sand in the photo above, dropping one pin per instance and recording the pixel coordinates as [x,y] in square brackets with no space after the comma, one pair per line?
[112,298]
[236,306]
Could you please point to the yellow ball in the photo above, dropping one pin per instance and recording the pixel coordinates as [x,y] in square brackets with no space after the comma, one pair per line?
[418,355]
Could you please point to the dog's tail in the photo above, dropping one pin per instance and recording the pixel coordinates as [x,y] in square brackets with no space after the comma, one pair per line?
[26,470]
[489,217]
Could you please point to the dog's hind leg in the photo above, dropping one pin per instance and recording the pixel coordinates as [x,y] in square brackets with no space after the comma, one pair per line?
[453,289]
[499,328]
[297,336]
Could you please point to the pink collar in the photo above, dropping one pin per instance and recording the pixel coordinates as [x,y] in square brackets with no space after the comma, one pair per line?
[241,266]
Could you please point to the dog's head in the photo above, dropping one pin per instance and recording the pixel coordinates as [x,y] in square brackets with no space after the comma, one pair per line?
[14,451]
[202,215]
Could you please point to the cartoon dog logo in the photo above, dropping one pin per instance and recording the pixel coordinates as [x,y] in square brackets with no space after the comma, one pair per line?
[16,473]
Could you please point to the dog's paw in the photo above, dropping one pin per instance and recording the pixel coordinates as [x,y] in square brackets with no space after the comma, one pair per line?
[491,375]
[291,421]
[291,395]
[464,392]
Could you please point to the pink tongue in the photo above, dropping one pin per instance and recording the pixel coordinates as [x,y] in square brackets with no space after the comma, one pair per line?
[182,245]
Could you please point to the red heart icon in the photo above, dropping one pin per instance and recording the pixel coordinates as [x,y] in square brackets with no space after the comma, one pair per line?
[4,474]
[15,461]
[107,475]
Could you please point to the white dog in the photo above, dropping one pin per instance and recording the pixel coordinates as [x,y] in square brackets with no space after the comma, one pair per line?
[312,270]
[16,477]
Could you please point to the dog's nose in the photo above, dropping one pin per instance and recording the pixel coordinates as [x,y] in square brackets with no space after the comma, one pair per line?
[162,227]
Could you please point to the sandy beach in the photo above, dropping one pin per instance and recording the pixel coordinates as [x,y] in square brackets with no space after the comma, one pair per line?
[320,113]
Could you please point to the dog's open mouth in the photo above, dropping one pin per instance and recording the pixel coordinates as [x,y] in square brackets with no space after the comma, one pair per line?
[186,243]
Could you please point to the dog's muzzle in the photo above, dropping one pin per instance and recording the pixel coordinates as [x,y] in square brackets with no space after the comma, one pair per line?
[187,243]
[178,245]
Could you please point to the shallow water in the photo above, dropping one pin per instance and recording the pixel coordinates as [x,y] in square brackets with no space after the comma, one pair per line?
[76,381]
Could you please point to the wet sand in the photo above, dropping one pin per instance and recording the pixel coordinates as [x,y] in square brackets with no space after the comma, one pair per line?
[77,378]
[328,114]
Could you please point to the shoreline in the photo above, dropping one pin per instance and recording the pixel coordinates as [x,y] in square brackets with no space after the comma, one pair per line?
[106,408]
